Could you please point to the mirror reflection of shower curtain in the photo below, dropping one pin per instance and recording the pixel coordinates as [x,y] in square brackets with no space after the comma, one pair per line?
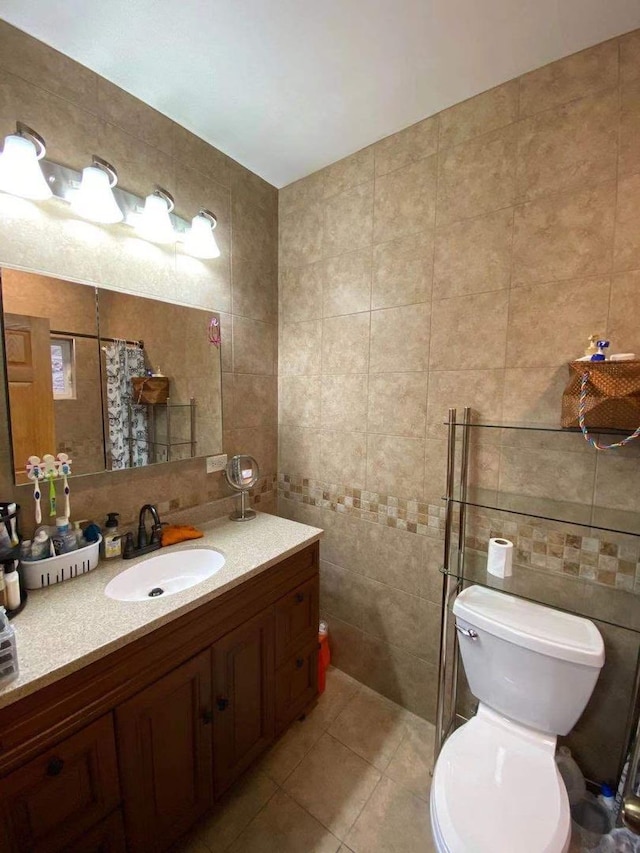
[128,421]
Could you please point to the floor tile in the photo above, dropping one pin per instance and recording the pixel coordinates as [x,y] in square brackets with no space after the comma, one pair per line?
[284,827]
[285,755]
[235,811]
[393,821]
[412,763]
[340,689]
[333,784]
[371,726]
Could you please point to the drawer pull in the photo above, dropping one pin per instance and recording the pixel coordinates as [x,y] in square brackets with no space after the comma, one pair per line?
[222,703]
[299,597]
[54,767]
[299,663]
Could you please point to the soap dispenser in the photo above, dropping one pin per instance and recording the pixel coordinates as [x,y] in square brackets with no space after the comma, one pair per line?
[112,539]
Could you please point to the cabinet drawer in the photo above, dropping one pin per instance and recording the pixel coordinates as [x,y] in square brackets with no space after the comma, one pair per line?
[296,619]
[106,837]
[296,684]
[55,798]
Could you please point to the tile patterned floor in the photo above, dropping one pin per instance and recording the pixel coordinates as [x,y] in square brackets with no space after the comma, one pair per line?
[354,776]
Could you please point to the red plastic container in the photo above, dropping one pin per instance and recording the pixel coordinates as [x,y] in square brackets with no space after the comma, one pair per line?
[324,656]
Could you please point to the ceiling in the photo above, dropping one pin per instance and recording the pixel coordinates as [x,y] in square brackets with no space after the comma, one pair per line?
[288,86]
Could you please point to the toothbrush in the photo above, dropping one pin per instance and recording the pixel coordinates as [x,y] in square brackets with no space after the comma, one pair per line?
[51,472]
[36,473]
[64,466]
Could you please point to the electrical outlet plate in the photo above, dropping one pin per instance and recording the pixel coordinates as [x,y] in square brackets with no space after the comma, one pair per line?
[216,463]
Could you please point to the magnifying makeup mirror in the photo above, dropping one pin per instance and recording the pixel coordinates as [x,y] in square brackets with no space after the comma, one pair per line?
[242,474]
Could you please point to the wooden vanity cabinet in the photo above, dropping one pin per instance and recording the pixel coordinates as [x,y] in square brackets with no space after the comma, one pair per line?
[159,729]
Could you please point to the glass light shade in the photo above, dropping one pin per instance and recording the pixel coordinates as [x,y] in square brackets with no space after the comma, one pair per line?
[95,200]
[200,241]
[20,172]
[154,223]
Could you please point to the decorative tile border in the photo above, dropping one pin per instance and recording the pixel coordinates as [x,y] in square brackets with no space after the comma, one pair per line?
[612,561]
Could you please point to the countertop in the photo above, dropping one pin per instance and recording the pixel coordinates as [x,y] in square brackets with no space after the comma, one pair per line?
[69,625]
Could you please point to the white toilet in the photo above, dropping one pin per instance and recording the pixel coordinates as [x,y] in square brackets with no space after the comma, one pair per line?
[496,788]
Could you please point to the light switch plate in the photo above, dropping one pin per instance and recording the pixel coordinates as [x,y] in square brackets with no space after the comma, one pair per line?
[216,463]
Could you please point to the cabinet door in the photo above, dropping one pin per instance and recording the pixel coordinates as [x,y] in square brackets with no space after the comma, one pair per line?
[106,837]
[296,685]
[297,616]
[57,796]
[164,747]
[243,702]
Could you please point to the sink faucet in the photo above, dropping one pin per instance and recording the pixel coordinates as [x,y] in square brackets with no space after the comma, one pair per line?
[145,543]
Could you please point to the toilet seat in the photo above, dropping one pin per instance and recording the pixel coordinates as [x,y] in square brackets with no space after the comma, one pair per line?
[496,789]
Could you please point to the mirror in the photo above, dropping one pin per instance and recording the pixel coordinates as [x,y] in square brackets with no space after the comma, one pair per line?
[242,474]
[79,364]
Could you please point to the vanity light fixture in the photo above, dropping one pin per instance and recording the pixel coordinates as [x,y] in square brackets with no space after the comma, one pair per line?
[154,223]
[20,172]
[94,199]
[200,241]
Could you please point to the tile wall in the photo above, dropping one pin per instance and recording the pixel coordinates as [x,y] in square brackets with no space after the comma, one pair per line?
[79,114]
[461,261]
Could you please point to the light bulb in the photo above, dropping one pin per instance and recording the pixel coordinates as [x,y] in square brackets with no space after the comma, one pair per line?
[200,241]
[94,200]
[155,224]
[20,172]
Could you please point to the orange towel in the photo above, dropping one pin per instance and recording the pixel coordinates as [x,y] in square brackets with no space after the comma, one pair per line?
[175,533]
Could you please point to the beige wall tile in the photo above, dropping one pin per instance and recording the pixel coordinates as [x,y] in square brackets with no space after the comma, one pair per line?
[624,326]
[299,451]
[397,404]
[548,474]
[341,593]
[255,230]
[405,201]
[253,346]
[400,339]
[401,676]
[469,332]
[254,289]
[347,284]
[548,322]
[348,172]
[45,67]
[344,402]
[300,194]
[201,156]
[343,456]
[197,191]
[254,401]
[134,116]
[395,465]
[259,442]
[629,162]
[534,394]
[301,293]
[348,220]
[569,147]
[300,348]
[301,236]
[473,255]
[630,71]
[576,76]
[339,545]
[626,252]
[564,236]
[485,112]
[407,146]
[140,166]
[616,484]
[402,271]
[404,620]
[345,344]
[299,400]
[477,176]
[481,390]
[394,557]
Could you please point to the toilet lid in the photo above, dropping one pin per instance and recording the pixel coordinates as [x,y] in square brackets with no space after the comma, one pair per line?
[497,791]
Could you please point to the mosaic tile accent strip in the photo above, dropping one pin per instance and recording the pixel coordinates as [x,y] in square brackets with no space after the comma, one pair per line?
[613,561]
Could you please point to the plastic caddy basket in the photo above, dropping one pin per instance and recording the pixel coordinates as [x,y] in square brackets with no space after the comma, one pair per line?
[41,573]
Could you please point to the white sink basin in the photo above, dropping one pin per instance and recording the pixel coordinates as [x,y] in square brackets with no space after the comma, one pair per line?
[165,574]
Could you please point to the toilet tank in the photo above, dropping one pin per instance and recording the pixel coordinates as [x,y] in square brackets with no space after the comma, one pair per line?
[536,665]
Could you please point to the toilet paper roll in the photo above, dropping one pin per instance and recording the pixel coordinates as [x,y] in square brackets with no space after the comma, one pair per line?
[500,558]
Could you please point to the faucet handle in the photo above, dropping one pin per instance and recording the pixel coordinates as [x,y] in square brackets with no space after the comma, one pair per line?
[128,546]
